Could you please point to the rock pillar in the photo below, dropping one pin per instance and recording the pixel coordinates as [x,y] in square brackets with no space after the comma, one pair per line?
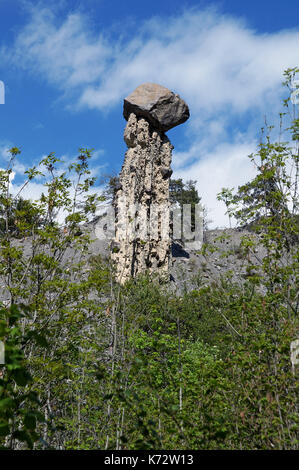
[142,225]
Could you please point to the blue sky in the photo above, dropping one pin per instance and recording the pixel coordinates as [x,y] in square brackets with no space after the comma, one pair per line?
[68,65]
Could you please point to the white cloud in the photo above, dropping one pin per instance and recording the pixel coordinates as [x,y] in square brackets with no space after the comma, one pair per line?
[62,52]
[215,61]
[224,70]
[226,166]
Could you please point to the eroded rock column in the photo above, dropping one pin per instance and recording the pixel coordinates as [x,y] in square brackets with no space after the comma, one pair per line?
[142,226]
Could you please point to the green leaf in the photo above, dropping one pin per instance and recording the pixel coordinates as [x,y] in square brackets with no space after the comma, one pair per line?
[4,429]
[22,377]
[7,403]
[30,421]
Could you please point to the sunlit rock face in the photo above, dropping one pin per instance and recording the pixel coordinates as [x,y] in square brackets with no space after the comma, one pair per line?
[162,108]
[142,225]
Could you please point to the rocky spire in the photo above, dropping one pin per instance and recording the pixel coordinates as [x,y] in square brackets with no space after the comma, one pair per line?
[141,202]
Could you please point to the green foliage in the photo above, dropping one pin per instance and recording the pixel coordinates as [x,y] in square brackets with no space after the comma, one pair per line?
[23,216]
[90,364]
[42,277]
[184,193]
[19,406]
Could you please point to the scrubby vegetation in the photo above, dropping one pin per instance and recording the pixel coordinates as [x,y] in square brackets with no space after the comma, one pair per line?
[90,364]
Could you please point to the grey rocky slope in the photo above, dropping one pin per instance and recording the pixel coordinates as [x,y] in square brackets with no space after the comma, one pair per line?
[222,255]
[188,269]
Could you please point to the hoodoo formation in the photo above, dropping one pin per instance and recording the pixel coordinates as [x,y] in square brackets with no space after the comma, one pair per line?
[142,225]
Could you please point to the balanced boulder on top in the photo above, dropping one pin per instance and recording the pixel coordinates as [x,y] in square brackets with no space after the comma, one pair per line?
[162,108]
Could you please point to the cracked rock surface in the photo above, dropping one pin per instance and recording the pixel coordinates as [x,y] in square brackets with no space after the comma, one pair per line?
[162,108]
[142,228]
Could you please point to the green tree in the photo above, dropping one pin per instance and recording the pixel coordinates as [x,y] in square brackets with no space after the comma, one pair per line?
[184,193]
[43,279]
